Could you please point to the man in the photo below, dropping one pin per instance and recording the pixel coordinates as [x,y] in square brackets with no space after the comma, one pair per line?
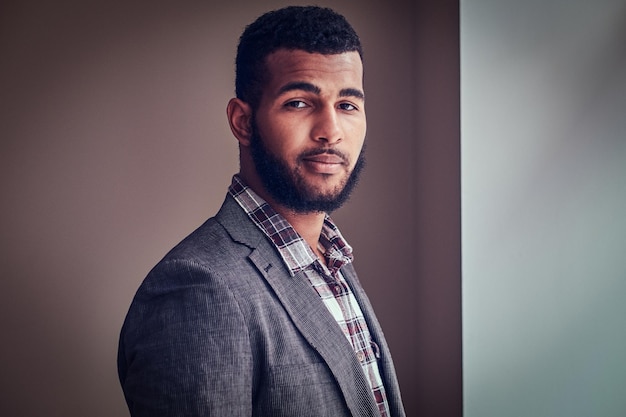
[259,312]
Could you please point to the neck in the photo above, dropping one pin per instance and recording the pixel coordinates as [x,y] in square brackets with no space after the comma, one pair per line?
[308,225]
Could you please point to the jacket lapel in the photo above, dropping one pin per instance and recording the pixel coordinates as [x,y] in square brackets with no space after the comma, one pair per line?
[305,309]
[319,328]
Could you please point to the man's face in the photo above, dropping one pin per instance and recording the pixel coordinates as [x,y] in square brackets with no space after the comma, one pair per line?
[309,129]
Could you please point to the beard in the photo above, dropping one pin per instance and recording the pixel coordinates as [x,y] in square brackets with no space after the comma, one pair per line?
[289,187]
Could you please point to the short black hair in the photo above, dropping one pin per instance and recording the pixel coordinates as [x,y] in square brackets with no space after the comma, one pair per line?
[309,28]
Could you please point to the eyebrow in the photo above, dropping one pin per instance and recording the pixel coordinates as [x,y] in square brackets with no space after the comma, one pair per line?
[352,92]
[312,88]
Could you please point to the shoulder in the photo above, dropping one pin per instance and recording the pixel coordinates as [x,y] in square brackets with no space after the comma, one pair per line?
[218,252]
[206,257]
[209,245]
[207,274]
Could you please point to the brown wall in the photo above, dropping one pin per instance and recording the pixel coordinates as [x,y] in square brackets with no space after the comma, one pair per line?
[114,145]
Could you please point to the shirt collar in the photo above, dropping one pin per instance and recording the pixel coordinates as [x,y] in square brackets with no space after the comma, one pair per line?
[293,249]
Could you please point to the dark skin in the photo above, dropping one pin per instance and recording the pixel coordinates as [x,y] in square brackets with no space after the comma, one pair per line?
[310,101]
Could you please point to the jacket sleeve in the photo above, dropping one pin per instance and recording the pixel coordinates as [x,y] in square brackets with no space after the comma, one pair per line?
[184,348]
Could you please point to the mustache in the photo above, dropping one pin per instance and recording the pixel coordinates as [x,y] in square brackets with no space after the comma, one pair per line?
[325,151]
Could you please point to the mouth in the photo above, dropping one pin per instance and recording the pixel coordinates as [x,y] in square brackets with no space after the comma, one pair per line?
[325,161]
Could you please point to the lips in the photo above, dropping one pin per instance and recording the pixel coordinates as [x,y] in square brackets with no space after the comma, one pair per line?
[327,162]
[325,159]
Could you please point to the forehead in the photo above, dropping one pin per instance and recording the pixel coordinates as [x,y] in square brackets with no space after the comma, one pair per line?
[335,71]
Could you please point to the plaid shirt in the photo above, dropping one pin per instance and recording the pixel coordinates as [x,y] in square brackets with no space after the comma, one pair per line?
[327,281]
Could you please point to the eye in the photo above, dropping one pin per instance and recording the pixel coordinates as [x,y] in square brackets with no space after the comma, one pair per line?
[347,107]
[296,104]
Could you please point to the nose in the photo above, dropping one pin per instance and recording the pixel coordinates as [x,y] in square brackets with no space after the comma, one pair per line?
[327,126]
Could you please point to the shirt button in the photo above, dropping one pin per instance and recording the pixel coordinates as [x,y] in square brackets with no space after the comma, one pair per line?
[338,289]
[360,356]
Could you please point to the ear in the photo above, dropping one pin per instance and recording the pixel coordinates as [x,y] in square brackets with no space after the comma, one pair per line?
[240,119]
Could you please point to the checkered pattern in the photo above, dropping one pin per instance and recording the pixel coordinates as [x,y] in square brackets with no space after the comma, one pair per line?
[327,281]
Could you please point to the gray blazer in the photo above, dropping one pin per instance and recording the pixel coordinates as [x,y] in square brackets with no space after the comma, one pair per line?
[220,328]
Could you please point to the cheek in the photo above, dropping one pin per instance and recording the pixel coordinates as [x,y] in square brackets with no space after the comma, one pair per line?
[286,140]
[356,129]
[358,138]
